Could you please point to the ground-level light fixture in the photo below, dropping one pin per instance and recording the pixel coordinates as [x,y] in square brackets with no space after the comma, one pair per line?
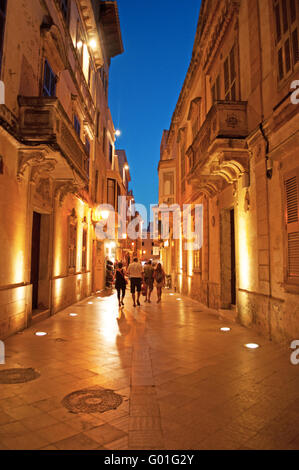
[73,314]
[225,328]
[252,346]
[41,333]
[90,303]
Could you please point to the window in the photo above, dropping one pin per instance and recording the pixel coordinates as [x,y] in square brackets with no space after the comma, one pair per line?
[84,249]
[197,260]
[110,153]
[72,241]
[87,146]
[183,167]
[98,124]
[168,184]
[77,125]
[111,192]
[291,184]
[96,185]
[216,95]
[49,83]
[87,151]
[230,77]
[64,7]
[79,42]
[286,14]
[3,4]
[118,195]
[104,139]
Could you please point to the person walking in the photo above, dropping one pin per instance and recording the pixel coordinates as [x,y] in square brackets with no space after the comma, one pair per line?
[159,277]
[149,281]
[120,284]
[135,273]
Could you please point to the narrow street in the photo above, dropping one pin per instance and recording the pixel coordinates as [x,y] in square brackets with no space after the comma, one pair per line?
[178,382]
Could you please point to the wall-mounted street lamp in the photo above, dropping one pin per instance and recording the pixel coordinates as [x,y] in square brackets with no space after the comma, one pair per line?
[99,215]
[93,44]
[117,133]
[125,168]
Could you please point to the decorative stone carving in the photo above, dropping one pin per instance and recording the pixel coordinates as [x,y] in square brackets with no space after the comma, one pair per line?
[43,189]
[65,187]
[43,169]
[28,158]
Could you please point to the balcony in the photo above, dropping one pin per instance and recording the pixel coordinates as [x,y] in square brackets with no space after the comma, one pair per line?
[43,121]
[220,148]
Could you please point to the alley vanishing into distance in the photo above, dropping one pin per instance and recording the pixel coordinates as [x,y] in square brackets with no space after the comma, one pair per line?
[155,377]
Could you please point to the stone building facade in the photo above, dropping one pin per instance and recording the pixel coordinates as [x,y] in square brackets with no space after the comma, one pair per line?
[57,144]
[233,147]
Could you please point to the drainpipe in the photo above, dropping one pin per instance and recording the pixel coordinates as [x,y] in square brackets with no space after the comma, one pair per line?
[268,177]
[268,165]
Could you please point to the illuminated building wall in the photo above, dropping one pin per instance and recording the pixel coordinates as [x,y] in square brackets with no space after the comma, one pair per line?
[233,145]
[56,137]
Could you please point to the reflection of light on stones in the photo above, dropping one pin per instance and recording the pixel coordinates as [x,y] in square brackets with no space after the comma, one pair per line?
[92,400]
[18,376]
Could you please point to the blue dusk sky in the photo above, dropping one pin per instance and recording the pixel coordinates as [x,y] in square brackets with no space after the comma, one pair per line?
[146,80]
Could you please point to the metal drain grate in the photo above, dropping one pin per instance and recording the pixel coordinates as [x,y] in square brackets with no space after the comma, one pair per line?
[92,400]
[18,376]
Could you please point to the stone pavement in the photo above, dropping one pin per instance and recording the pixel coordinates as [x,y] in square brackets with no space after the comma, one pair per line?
[178,382]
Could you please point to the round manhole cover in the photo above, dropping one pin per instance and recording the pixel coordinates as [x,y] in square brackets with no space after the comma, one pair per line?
[18,376]
[92,400]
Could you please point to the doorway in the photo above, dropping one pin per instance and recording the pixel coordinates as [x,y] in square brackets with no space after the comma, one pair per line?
[228,258]
[35,258]
[40,275]
[233,257]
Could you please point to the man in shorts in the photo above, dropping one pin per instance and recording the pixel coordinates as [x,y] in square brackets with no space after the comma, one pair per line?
[149,280]
[135,273]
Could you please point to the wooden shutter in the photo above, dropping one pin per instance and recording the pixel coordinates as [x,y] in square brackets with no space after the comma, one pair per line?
[292,223]
[278,23]
[226,78]
[295,46]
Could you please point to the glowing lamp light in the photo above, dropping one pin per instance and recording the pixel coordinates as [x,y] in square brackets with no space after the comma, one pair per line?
[104,215]
[118,133]
[126,167]
[73,314]
[79,44]
[93,44]
[179,299]
[125,236]
[40,333]
[90,303]
[225,329]
[252,346]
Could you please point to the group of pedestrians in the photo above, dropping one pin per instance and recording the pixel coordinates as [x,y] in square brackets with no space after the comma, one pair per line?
[140,279]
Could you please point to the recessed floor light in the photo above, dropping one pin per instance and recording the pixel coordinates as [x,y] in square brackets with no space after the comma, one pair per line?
[252,346]
[73,314]
[40,333]
[90,303]
[225,329]
[179,299]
